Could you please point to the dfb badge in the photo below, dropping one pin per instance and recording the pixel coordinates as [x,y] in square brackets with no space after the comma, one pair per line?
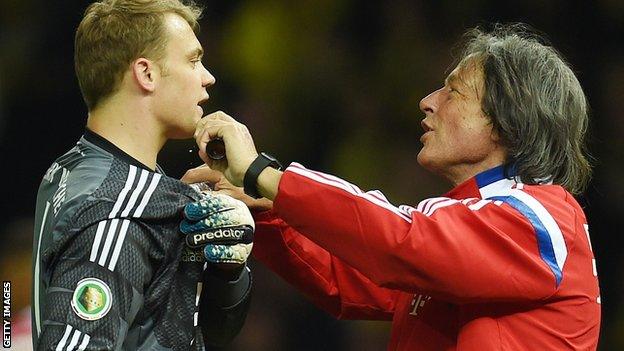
[92,299]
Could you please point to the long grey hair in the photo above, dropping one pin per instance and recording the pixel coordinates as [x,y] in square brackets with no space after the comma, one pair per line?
[536,104]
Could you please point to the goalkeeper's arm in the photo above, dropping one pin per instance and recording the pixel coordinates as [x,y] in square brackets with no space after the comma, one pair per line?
[224,228]
[89,306]
[223,305]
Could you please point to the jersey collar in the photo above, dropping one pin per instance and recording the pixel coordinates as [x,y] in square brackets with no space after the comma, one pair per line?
[106,145]
[492,182]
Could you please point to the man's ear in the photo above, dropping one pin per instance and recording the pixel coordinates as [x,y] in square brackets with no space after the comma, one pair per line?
[495,135]
[145,73]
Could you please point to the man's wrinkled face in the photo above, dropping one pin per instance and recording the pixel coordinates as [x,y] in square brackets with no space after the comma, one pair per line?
[459,140]
[183,82]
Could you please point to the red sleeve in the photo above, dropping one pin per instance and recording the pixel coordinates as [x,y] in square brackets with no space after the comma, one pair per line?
[326,280]
[458,251]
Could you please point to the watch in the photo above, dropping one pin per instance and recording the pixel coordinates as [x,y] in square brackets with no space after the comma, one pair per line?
[250,181]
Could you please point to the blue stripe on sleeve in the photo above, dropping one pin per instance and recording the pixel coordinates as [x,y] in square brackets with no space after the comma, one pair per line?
[544,242]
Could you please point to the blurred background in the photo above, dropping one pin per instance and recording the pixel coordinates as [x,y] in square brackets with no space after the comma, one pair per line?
[332,84]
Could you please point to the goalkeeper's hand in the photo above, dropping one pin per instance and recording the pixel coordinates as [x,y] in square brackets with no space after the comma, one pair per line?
[222,226]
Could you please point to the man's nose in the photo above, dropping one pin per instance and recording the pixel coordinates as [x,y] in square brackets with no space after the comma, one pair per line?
[208,79]
[429,104]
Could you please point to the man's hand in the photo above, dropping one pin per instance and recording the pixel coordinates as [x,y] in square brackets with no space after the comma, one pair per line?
[239,146]
[222,225]
[216,181]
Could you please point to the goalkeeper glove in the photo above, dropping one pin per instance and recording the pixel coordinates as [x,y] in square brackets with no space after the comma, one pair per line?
[220,224]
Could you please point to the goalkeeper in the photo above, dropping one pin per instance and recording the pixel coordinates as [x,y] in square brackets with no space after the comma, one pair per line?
[112,271]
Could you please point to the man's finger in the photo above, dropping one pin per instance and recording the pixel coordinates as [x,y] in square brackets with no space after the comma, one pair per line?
[250,202]
[204,157]
[207,132]
[220,115]
[202,174]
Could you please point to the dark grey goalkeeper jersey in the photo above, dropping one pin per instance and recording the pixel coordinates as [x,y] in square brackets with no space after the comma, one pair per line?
[111,270]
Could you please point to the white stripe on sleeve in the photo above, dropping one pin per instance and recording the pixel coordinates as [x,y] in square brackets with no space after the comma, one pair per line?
[348,187]
[122,236]
[74,340]
[124,192]
[97,240]
[135,193]
[148,195]
[440,204]
[556,237]
[84,343]
[109,241]
[61,344]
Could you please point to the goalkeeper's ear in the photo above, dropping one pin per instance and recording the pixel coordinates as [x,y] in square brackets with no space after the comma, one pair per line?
[202,174]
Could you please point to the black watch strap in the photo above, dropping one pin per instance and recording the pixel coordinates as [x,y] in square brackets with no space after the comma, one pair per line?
[250,181]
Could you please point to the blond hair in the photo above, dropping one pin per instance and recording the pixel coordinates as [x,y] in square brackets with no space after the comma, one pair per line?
[113,33]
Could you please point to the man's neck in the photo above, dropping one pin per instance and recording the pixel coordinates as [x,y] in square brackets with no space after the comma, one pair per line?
[462,172]
[130,128]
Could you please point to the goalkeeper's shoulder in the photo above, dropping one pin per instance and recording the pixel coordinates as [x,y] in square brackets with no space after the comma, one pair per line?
[66,188]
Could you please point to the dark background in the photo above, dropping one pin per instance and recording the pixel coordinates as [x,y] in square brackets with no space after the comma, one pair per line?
[333,84]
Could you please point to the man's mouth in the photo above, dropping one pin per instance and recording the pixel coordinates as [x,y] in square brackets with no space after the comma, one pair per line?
[425,126]
[203,101]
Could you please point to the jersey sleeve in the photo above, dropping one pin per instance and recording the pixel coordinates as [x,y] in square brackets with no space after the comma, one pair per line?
[462,251]
[331,284]
[95,287]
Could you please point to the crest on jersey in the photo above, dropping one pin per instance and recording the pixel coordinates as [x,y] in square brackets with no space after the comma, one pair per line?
[92,299]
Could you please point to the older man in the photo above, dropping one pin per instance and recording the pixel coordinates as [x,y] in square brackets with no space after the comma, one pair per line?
[503,261]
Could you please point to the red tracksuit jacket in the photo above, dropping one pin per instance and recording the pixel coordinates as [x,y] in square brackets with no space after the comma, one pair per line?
[493,265]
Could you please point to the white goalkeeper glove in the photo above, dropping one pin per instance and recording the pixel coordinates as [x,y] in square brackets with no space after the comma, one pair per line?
[220,224]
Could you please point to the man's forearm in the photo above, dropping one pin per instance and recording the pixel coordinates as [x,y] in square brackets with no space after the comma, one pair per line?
[268,182]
